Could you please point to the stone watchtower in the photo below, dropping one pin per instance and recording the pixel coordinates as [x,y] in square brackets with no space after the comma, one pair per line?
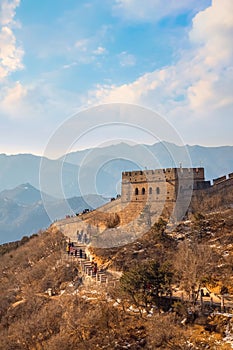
[162,189]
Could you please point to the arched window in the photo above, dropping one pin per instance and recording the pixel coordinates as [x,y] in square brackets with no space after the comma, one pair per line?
[136,191]
[150,190]
[143,190]
[157,190]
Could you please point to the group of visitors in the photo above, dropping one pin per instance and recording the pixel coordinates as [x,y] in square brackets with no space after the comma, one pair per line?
[74,251]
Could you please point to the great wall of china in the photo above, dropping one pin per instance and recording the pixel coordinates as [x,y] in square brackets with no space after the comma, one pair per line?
[145,196]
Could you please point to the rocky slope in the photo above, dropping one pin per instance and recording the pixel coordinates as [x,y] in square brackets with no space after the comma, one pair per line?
[46,302]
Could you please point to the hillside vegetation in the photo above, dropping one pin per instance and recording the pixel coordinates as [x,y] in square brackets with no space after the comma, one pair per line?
[47,303]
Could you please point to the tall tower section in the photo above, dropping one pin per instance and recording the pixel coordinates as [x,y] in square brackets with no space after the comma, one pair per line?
[162,188]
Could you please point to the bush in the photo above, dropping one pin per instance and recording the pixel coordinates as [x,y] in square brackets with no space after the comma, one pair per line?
[146,283]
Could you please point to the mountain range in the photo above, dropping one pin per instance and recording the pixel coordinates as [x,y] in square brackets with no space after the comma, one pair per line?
[22,211]
[98,170]
[34,189]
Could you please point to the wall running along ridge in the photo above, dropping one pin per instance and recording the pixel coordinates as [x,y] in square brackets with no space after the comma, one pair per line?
[147,195]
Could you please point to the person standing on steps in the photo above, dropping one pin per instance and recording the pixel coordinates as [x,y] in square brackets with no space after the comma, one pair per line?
[68,249]
[80,253]
[95,268]
[92,266]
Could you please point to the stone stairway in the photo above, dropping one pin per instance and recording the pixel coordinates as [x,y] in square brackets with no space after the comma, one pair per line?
[79,253]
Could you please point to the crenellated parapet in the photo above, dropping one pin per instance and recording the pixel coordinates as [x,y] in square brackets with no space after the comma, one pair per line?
[155,185]
[147,195]
[176,187]
[217,196]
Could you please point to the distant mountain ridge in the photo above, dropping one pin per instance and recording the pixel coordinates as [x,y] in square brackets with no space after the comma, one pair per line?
[23,194]
[99,170]
[217,161]
[22,211]
[88,177]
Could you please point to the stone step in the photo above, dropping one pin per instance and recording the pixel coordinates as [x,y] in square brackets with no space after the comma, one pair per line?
[86,265]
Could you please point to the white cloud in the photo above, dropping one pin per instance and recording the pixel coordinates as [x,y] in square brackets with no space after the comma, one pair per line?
[82,45]
[153,10]
[86,52]
[11,53]
[38,102]
[68,66]
[199,86]
[7,11]
[13,101]
[100,51]
[126,59]
[213,31]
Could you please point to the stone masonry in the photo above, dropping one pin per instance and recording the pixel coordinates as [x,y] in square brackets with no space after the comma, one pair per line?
[147,195]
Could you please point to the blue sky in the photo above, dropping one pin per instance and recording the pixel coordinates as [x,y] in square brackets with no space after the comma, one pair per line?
[58,57]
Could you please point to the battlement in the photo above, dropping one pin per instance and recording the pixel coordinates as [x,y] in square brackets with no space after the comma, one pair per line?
[219,179]
[172,188]
[222,179]
[146,195]
[161,185]
[163,174]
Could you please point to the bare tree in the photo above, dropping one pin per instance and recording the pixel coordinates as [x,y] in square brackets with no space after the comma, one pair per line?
[192,267]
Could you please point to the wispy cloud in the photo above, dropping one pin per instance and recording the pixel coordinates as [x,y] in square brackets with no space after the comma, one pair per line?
[100,51]
[82,44]
[11,53]
[88,46]
[13,101]
[126,59]
[154,10]
[200,84]
[87,49]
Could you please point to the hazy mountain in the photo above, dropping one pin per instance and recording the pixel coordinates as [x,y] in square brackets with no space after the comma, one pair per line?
[217,161]
[17,220]
[26,168]
[23,194]
[99,170]
[22,211]
[18,169]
